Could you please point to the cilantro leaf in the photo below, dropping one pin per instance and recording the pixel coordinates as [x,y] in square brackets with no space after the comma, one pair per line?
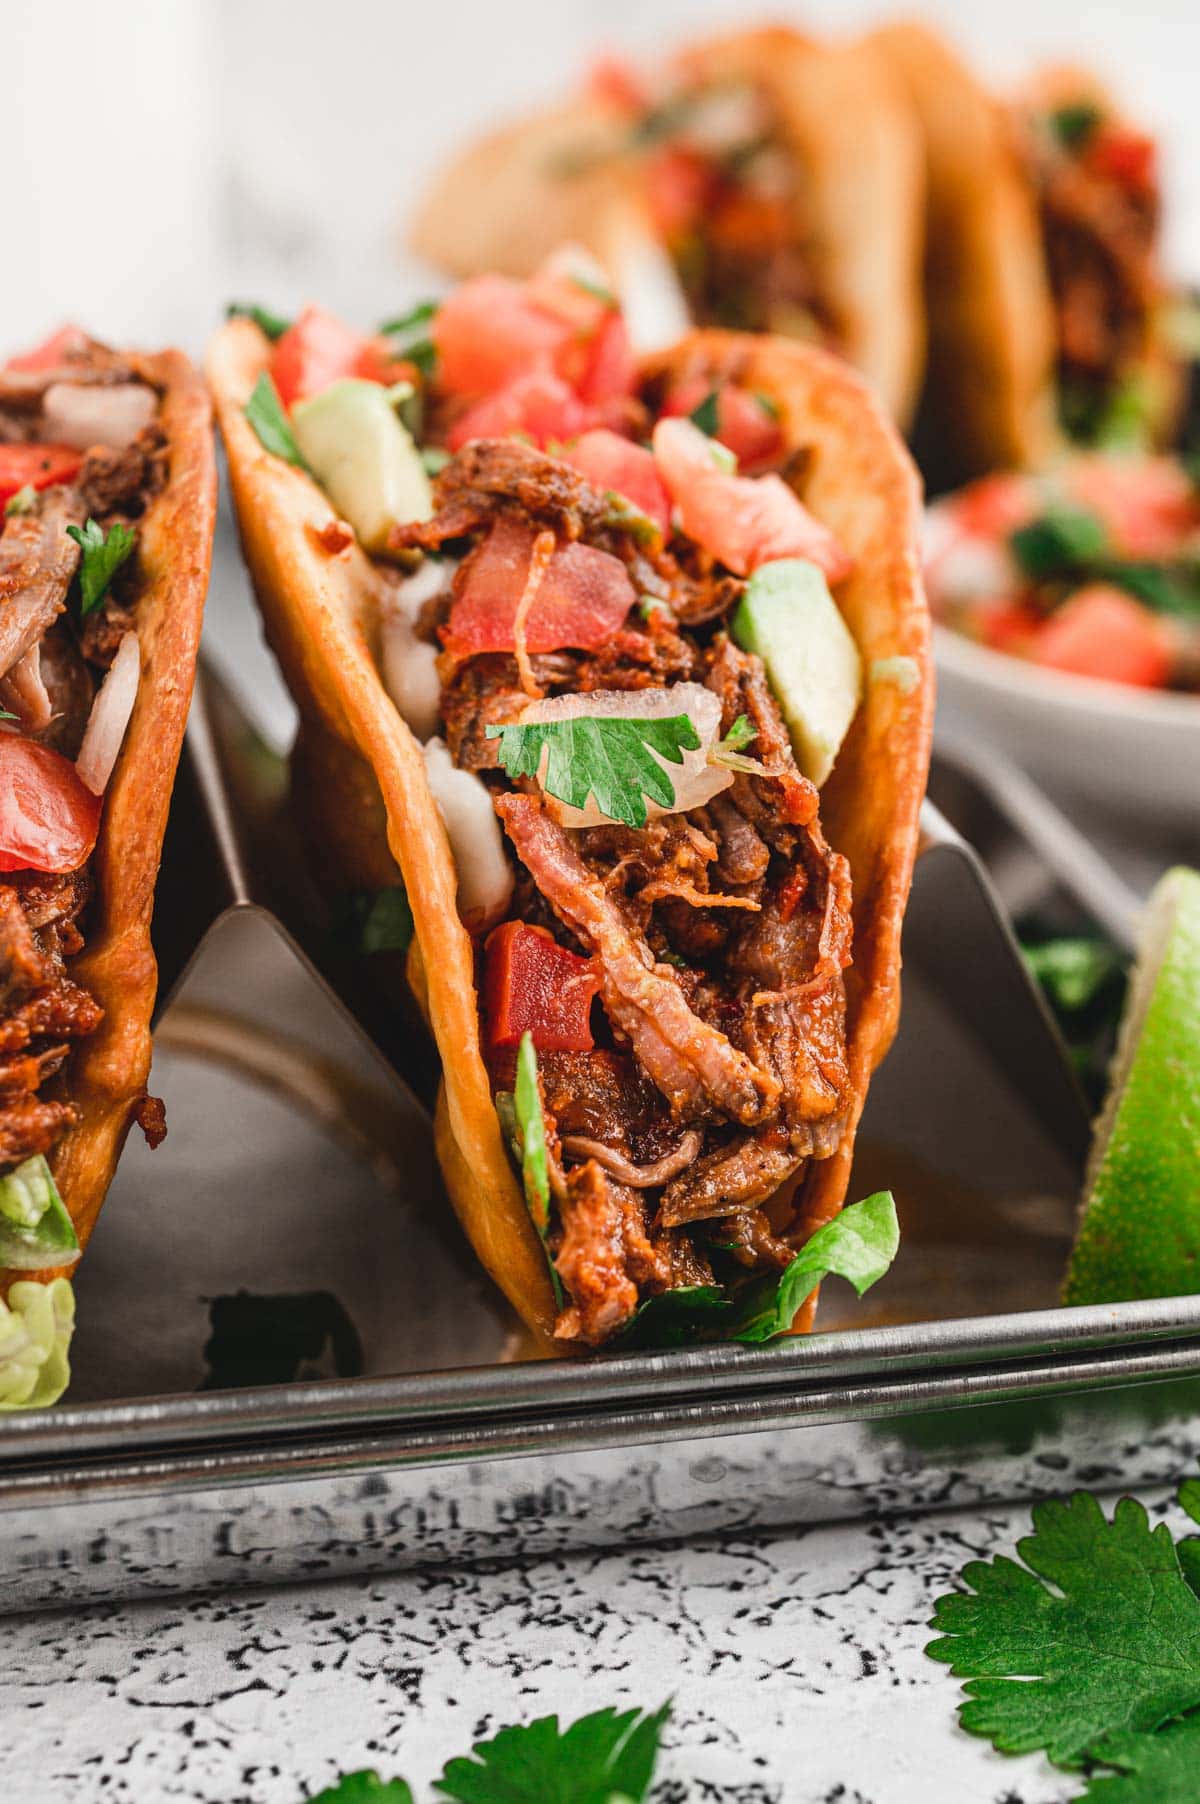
[739,735]
[103,555]
[272,325]
[412,323]
[410,336]
[599,291]
[1072,970]
[365,1787]
[1074,125]
[705,415]
[373,920]
[1168,589]
[1153,1769]
[1061,539]
[1114,1648]
[1189,1548]
[602,1757]
[859,1245]
[768,403]
[7,714]
[265,412]
[23,502]
[609,757]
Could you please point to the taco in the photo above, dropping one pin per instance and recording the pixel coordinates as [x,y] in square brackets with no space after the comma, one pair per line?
[781,176]
[1044,299]
[108,484]
[585,733]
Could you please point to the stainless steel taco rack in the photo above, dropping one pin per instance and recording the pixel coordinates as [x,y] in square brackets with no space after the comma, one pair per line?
[292,1222]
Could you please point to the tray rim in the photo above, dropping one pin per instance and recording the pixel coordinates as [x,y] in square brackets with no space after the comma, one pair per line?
[1117,1342]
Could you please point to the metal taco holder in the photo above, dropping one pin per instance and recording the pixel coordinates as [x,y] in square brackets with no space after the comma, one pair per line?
[299,1166]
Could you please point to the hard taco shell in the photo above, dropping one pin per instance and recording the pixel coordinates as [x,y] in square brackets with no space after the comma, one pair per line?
[107,1072]
[321,619]
[988,399]
[507,201]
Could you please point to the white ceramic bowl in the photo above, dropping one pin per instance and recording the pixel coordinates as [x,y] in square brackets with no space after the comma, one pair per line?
[1132,751]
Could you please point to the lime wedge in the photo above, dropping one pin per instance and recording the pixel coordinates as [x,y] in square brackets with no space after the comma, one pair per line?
[1139,1231]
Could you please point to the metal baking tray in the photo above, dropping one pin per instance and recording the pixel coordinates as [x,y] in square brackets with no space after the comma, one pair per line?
[299,1169]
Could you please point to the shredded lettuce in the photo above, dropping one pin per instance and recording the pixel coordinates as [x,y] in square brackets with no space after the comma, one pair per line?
[36,1324]
[35,1229]
[858,1245]
[524,1125]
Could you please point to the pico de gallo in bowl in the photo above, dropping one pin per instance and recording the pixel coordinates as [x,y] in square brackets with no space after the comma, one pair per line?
[1068,612]
[1091,569]
[609,620]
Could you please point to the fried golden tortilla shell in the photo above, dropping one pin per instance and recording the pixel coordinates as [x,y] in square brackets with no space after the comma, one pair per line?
[321,616]
[988,399]
[571,173]
[107,1072]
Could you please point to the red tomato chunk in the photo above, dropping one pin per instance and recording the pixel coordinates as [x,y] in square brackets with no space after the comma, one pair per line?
[36,466]
[532,984]
[583,599]
[48,818]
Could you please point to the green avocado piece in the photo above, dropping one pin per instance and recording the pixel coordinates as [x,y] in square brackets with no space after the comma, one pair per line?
[790,620]
[364,458]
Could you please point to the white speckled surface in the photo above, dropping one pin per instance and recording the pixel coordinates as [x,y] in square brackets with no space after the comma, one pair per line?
[795,1662]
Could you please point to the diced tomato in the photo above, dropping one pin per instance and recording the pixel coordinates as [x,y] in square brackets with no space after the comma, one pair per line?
[743,521]
[488,332]
[1102,632]
[51,351]
[995,506]
[317,349]
[1119,155]
[39,466]
[677,184]
[573,287]
[610,367]
[1006,626]
[533,985]
[582,601]
[614,82]
[743,423]
[1148,504]
[540,405]
[612,462]
[377,362]
[48,818]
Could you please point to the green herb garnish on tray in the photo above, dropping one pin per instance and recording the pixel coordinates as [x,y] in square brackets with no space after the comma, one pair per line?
[1087,1649]
[607,1757]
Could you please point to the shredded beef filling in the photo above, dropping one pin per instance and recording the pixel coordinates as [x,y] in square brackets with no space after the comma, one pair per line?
[50,663]
[1101,236]
[720,935]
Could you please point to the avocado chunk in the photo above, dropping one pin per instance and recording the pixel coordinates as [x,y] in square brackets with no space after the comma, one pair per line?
[788,617]
[363,458]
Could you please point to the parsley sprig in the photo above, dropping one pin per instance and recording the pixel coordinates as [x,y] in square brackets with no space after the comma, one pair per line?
[607,1756]
[610,757]
[411,337]
[1089,1650]
[272,325]
[103,554]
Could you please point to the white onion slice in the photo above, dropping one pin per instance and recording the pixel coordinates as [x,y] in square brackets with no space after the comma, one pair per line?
[83,415]
[695,781]
[410,664]
[109,717]
[484,875]
[652,300]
